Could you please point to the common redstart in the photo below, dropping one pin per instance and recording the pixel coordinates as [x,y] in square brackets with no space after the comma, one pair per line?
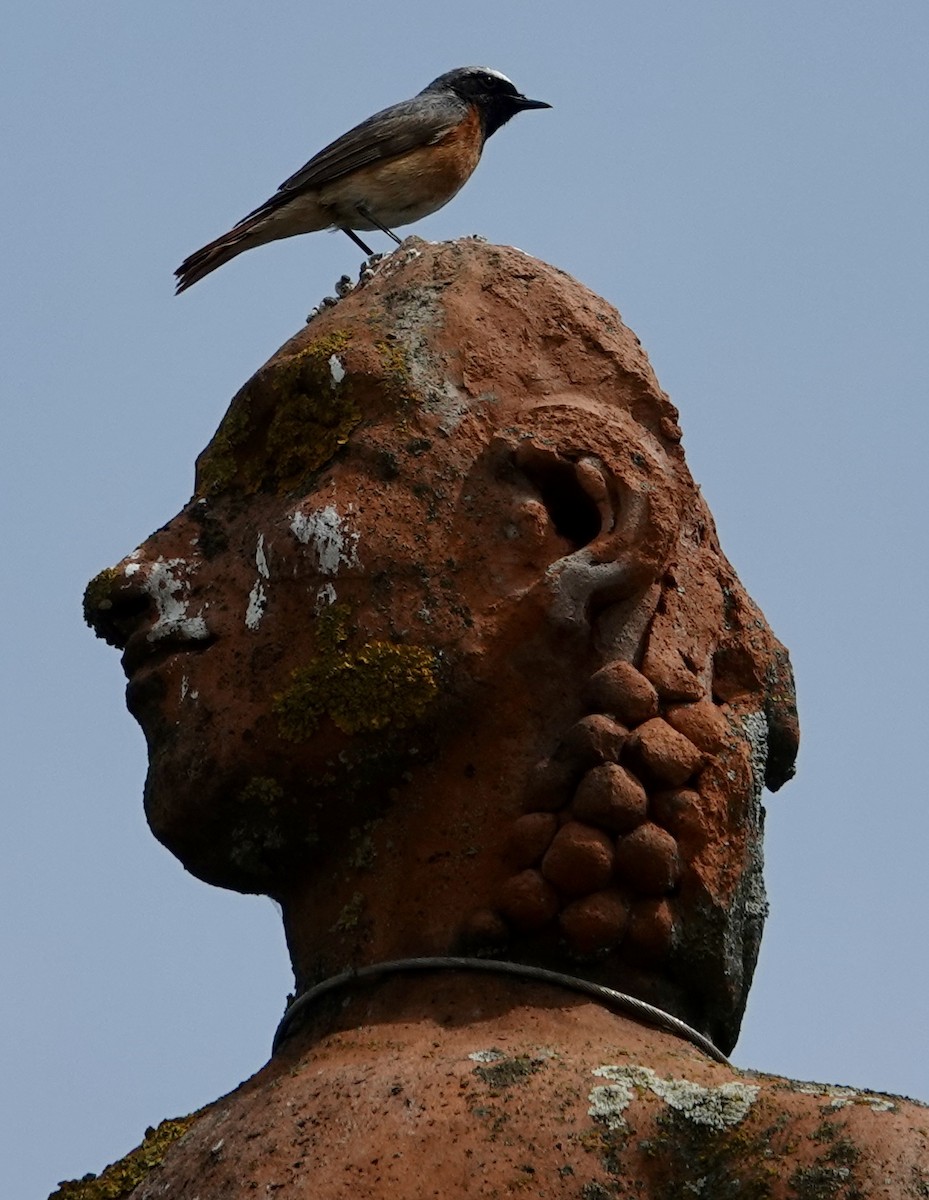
[398,166]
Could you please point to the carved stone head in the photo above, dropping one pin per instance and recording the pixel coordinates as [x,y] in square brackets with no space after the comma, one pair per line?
[444,654]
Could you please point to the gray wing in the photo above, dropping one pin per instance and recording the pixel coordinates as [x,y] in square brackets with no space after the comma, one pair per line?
[418,122]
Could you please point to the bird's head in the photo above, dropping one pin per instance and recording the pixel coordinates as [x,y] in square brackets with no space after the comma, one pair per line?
[496,97]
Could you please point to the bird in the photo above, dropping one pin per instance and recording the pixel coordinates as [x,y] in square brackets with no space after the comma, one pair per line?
[396,167]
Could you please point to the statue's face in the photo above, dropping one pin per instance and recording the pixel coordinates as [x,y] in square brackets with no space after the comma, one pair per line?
[281,643]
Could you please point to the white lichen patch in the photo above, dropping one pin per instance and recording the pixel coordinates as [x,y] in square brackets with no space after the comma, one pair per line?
[324,597]
[843,1097]
[486,1056]
[258,596]
[325,531]
[336,370]
[167,581]
[608,1102]
[716,1107]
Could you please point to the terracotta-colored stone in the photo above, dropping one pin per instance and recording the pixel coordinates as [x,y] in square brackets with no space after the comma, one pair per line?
[454,1085]
[594,923]
[620,689]
[579,860]
[703,723]
[594,739]
[610,797]
[650,931]
[647,860]
[672,679]
[529,837]
[549,785]
[669,757]
[527,901]
[420,530]
[485,932]
[681,813]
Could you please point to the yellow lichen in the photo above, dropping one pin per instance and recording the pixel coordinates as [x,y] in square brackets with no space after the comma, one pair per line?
[379,686]
[263,791]
[393,356]
[288,422]
[97,593]
[120,1178]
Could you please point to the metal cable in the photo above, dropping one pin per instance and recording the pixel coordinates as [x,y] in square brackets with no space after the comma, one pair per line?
[628,1005]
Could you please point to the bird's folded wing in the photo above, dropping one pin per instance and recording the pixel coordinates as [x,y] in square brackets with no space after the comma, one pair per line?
[394,131]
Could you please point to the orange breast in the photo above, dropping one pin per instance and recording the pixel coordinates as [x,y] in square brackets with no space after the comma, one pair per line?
[412,185]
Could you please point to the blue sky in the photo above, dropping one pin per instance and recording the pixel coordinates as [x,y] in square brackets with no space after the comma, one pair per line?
[746,182]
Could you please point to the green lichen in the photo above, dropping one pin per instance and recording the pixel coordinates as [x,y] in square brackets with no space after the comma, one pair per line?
[381,685]
[393,356]
[98,593]
[262,791]
[508,1072]
[287,423]
[722,1163]
[350,916]
[119,1178]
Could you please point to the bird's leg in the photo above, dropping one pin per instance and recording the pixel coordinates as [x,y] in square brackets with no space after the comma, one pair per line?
[357,240]
[376,223]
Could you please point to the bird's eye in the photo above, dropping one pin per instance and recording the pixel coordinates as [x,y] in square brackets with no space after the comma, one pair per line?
[489,81]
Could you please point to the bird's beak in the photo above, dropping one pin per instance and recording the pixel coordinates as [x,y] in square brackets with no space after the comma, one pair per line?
[525,102]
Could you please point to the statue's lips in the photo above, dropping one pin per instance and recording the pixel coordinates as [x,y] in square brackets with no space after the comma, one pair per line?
[143,653]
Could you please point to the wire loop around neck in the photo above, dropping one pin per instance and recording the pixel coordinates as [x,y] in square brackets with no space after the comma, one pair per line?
[619,1001]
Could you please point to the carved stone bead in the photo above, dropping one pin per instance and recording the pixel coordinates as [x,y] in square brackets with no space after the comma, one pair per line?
[595,923]
[529,838]
[527,901]
[703,723]
[648,860]
[611,797]
[681,813]
[669,757]
[579,860]
[649,931]
[620,689]
[549,785]
[593,740]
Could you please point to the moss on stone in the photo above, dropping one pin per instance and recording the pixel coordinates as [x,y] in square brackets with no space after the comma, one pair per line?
[393,356]
[350,916]
[119,1178]
[98,593]
[287,423]
[508,1072]
[382,685]
[263,791]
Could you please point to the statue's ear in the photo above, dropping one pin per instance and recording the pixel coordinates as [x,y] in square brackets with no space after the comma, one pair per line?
[612,500]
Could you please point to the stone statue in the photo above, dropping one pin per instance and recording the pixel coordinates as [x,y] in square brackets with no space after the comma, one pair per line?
[444,656]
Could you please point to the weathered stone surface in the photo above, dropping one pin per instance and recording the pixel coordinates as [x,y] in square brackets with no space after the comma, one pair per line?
[703,723]
[594,923]
[620,689]
[424,1075]
[595,739]
[648,861]
[431,534]
[529,837]
[649,931]
[528,901]
[669,757]
[681,813]
[579,860]
[612,798]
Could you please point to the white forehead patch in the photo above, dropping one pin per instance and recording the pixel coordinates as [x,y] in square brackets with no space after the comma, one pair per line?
[491,71]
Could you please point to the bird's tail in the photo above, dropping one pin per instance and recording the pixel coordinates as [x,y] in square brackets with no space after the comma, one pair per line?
[213,255]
